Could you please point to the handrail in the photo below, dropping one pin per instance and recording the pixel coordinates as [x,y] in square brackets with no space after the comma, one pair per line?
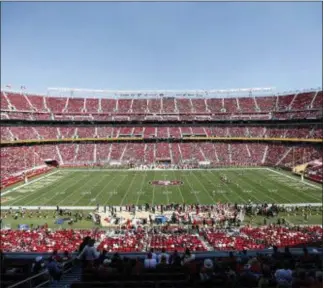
[30,278]
[40,274]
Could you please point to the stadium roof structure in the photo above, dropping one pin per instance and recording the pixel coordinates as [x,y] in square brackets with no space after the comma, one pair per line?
[144,94]
[155,93]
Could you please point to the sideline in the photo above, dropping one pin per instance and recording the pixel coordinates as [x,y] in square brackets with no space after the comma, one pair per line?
[147,170]
[124,207]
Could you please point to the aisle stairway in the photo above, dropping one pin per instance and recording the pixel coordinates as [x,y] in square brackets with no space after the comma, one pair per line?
[67,279]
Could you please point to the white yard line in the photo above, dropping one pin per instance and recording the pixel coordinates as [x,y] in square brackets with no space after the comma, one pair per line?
[198,201]
[295,179]
[295,194]
[233,192]
[64,190]
[154,186]
[203,186]
[76,190]
[183,201]
[139,195]
[122,179]
[129,187]
[30,182]
[253,188]
[218,189]
[103,178]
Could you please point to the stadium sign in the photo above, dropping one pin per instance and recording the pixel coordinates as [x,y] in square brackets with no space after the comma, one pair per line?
[166,182]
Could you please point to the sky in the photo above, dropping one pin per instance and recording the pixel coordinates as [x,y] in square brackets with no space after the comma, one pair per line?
[171,46]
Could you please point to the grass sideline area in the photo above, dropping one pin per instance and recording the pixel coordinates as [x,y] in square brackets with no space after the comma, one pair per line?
[80,187]
[298,219]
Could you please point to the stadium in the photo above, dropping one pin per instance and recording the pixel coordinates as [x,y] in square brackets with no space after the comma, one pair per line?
[161,188]
[139,152]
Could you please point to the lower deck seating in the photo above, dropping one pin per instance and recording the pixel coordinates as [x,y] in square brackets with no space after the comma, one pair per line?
[16,159]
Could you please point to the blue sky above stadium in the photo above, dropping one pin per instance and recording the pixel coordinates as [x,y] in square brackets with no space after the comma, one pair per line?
[161,45]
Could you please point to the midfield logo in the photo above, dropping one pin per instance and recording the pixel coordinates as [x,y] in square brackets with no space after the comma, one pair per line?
[166,182]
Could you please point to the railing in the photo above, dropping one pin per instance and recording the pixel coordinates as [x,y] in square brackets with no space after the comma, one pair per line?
[42,278]
[141,139]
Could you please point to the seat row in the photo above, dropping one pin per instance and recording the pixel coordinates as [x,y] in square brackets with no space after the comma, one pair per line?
[247,238]
[13,133]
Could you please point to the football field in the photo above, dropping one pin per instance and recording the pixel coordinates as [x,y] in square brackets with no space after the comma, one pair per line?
[89,187]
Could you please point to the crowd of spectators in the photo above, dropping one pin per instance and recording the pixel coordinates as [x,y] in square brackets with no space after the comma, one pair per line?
[197,238]
[238,269]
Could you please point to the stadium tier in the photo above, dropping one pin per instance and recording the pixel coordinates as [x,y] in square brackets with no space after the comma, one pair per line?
[36,107]
[45,132]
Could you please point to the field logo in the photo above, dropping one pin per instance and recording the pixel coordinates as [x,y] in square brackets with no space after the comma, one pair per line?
[166,182]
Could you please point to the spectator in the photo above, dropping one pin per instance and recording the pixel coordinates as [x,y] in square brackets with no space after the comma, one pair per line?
[117,263]
[2,268]
[187,257]
[102,257]
[302,280]
[283,275]
[231,261]
[207,271]
[247,278]
[56,257]
[38,265]
[163,264]
[105,268]
[84,243]
[54,269]
[255,265]
[154,256]
[287,253]
[150,262]
[66,256]
[173,256]
[244,258]
[276,255]
[138,267]
[89,253]
[266,280]
[306,258]
[164,254]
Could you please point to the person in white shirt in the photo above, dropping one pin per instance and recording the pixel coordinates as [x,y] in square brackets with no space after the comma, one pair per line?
[150,262]
[166,255]
[89,252]
[154,256]
[187,257]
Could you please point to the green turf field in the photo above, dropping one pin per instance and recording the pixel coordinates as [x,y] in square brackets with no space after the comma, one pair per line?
[80,187]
